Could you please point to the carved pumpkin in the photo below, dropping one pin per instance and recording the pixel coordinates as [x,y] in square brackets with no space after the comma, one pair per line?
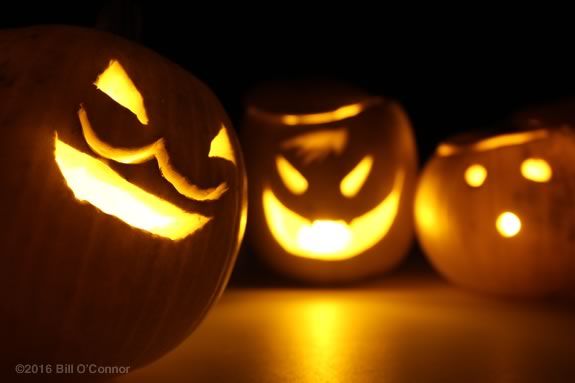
[495,213]
[332,171]
[123,192]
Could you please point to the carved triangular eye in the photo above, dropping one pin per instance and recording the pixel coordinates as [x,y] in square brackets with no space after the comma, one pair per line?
[291,177]
[116,83]
[221,146]
[354,180]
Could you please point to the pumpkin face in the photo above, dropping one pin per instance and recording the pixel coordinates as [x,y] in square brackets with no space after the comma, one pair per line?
[331,177]
[94,181]
[123,199]
[496,213]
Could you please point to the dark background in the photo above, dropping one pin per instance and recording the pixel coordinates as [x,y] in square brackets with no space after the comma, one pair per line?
[453,70]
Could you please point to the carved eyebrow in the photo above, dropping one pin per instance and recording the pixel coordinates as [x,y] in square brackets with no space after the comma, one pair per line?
[155,150]
[500,141]
[341,113]
[317,145]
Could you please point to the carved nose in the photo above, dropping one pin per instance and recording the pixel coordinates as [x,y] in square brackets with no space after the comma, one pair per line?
[508,224]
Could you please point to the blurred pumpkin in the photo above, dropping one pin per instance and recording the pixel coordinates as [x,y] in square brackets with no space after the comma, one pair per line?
[332,172]
[495,213]
[123,198]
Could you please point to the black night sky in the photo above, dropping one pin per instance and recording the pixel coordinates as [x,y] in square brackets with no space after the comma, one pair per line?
[450,76]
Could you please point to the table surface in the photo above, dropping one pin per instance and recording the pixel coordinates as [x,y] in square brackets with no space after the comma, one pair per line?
[409,328]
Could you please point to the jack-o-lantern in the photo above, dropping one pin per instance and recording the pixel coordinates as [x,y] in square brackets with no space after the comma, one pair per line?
[332,173]
[123,197]
[496,213]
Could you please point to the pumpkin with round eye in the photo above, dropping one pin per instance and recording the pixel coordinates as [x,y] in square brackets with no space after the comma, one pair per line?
[123,199]
[332,171]
[496,213]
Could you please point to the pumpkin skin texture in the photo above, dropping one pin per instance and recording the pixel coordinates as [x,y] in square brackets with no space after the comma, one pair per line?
[80,285]
[465,229]
[323,159]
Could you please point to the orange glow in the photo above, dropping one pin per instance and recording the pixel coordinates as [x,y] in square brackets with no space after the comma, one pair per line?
[93,181]
[425,214]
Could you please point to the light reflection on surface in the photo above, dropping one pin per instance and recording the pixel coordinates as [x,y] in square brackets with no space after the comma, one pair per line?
[323,330]
[416,329]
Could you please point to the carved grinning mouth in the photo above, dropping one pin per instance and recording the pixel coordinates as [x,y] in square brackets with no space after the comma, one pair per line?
[93,181]
[331,240]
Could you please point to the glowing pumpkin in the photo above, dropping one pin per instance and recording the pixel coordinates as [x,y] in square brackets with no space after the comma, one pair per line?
[495,213]
[123,193]
[332,171]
